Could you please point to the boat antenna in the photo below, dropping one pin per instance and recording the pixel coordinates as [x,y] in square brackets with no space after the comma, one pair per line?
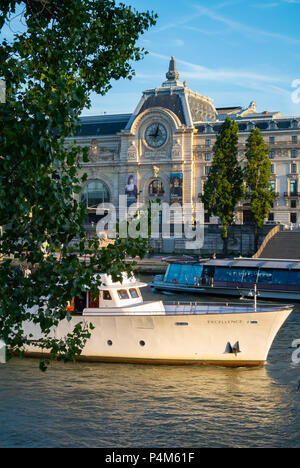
[255,297]
[254,294]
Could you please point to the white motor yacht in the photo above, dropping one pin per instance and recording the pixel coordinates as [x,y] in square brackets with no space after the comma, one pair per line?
[129,329]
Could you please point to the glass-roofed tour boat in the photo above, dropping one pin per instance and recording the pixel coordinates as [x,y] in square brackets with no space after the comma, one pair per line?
[274,279]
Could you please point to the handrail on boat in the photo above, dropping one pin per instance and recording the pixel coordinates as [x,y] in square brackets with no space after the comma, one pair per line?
[226,304]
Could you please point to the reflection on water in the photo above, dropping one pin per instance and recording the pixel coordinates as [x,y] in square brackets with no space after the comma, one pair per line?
[113,405]
[105,405]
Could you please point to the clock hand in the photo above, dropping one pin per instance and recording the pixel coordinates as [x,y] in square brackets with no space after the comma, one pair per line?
[155,135]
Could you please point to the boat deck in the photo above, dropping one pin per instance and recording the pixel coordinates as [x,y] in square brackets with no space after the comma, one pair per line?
[226,308]
[186,308]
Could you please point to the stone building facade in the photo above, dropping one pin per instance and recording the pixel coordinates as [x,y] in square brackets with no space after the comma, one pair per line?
[165,150]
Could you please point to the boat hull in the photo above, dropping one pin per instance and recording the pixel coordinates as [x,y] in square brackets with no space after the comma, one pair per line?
[233,339]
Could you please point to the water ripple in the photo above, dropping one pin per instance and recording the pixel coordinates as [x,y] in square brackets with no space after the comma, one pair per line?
[105,405]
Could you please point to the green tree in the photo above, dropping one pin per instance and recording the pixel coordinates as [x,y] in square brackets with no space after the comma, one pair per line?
[69,49]
[224,185]
[257,173]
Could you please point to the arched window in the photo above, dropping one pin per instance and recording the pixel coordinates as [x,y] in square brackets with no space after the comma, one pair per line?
[94,193]
[273,125]
[208,129]
[294,124]
[250,126]
[156,187]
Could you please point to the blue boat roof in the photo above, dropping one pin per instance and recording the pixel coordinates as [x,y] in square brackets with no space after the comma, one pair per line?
[256,263]
[265,263]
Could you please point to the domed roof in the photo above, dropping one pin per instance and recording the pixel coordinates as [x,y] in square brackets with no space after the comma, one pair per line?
[189,106]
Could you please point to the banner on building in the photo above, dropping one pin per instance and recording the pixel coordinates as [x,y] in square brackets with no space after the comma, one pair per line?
[131,189]
[176,187]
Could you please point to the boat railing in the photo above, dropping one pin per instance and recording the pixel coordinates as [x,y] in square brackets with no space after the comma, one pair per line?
[208,281]
[159,278]
[226,304]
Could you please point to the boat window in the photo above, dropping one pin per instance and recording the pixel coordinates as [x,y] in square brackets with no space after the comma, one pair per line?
[173,273]
[280,277]
[265,276]
[235,275]
[250,276]
[106,296]
[185,274]
[179,273]
[231,275]
[133,293]
[196,274]
[93,301]
[294,278]
[219,274]
[208,272]
[80,302]
[123,294]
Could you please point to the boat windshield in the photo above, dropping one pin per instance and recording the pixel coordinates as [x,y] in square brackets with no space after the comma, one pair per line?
[106,296]
[93,301]
[184,274]
[236,275]
[123,294]
[261,277]
[134,293]
[291,277]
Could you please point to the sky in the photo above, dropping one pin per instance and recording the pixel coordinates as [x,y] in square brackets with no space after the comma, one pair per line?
[233,51]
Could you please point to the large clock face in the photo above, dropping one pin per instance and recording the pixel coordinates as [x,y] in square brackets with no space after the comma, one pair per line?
[156,135]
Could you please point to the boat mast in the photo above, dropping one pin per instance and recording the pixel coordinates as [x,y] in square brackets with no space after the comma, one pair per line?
[255,297]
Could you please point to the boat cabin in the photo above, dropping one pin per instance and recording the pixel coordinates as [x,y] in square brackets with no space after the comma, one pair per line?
[238,272]
[189,273]
[265,273]
[111,294]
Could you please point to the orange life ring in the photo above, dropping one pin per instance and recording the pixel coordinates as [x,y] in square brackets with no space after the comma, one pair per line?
[71,306]
[174,280]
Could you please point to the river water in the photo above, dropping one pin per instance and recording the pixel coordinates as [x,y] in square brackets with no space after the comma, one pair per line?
[134,406]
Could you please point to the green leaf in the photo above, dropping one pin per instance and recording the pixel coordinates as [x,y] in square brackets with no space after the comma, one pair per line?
[68,50]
